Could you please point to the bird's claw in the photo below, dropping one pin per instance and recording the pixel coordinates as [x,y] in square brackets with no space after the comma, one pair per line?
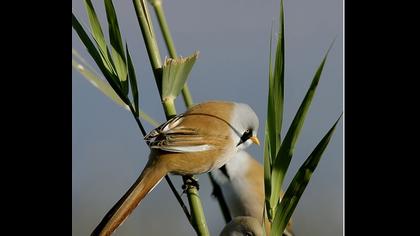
[190,182]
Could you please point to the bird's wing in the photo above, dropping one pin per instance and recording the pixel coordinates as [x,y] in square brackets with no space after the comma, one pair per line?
[163,127]
[172,136]
[180,139]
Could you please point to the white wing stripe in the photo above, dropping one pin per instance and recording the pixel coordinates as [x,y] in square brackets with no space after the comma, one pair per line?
[198,148]
[172,124]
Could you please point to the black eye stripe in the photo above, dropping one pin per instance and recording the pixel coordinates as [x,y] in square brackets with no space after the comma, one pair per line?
[246,135]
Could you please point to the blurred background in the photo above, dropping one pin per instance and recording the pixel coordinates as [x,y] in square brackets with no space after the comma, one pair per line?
[233,39]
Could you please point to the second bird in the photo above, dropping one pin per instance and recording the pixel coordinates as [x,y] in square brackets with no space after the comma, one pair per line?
[242,184]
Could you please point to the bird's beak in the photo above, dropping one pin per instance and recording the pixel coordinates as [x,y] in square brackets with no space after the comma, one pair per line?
[255,140]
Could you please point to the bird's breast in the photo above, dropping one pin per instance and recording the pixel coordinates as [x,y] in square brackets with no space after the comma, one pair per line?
[195,163]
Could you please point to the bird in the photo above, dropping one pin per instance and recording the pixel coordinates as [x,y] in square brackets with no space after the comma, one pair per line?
[243,226]
[202,139]
[242,183]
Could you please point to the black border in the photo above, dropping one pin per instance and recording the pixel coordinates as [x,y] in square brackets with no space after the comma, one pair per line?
[370,182]
[37,139]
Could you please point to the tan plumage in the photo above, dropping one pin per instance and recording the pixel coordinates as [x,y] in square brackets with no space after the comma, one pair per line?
[202,139]
[243,188]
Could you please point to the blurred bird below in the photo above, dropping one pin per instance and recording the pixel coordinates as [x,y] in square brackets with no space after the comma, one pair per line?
[242,184]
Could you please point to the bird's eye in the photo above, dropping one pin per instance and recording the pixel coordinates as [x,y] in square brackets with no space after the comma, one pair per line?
[245,136]
[248,234]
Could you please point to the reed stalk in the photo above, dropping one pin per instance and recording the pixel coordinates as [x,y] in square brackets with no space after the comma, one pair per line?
[197,220]
[186,95]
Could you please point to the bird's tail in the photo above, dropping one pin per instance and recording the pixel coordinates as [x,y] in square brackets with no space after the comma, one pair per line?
[149,178]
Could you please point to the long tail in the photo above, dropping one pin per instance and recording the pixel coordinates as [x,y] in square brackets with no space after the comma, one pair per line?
[148,179]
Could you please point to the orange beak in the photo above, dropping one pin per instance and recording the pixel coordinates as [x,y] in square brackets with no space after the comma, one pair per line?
[255,140]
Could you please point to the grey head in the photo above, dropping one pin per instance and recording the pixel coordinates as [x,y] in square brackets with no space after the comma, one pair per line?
[245,126]
[243,226]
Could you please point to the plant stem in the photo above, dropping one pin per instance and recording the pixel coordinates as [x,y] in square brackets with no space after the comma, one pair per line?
[135,115]
[160,13]
[168,180]
[184,208]
[146,27]
[197,214]
[169,107]
[186,94]
[197,219]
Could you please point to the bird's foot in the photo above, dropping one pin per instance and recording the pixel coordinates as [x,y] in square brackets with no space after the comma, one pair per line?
[190,182]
